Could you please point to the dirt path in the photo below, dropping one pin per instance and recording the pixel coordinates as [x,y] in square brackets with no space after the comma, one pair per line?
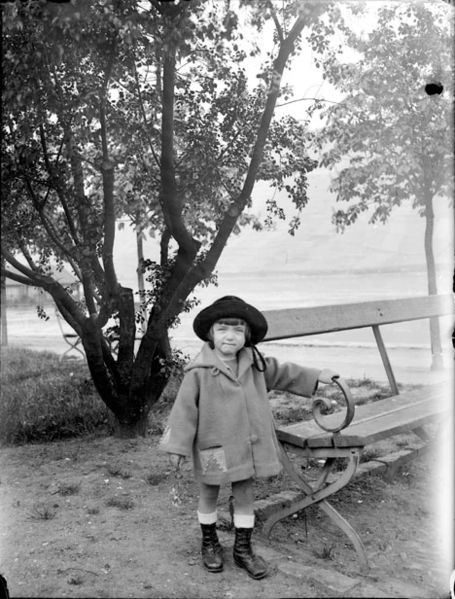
[94,517]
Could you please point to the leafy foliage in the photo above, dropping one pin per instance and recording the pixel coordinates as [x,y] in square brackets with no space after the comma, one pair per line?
[388,140]
[142,110]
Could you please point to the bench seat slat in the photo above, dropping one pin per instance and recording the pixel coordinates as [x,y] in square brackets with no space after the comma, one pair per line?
[374,421]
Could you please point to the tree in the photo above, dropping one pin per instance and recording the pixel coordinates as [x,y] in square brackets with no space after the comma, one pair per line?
[389,140]
[145,110]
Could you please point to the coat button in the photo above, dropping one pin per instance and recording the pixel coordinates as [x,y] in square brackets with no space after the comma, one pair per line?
[253,438]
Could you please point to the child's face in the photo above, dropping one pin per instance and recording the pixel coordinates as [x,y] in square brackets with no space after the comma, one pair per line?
[228,335]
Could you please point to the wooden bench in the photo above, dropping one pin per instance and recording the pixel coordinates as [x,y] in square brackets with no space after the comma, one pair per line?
[342,431]
[74,341]
[71,338]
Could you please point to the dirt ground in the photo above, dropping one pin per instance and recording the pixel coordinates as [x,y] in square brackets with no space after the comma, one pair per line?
[100,517]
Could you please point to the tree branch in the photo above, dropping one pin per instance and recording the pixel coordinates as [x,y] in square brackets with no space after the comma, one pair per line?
[54,182]
[35,277]
[28,256]
[237,207]
[78,181]
[54,288]
[144,116]
[107,170]
[279,29]
[169,201]
[53,235]
[18,278]
[87,285]
[164,247]
[303,99]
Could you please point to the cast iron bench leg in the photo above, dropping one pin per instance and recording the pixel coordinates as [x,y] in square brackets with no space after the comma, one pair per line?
[350,532]
[318,496]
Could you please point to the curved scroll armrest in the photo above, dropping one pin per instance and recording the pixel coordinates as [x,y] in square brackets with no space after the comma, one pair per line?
[322,407]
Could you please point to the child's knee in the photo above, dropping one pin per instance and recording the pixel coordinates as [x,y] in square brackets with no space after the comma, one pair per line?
[208,491]
[243,491]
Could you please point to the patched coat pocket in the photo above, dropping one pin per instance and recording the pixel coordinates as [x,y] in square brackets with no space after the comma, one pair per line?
[213,459]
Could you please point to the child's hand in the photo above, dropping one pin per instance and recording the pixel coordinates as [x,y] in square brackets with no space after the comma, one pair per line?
[326,375]
[175,460]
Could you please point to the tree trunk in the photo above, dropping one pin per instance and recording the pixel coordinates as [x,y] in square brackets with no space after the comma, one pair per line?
[4,323]
[435,330]
[127,429]
[140,272]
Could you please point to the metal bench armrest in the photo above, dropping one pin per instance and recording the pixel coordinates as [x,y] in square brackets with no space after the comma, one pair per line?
[322,407]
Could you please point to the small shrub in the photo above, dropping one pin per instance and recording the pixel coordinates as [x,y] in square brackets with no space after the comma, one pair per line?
[118,471]
[369,454]
[154,479]
[68,489]
[402,443]
[93,510]
[339,464]
[362,382]
[291,415]
[122,503]
[76,579]
[326,552]
[42,511]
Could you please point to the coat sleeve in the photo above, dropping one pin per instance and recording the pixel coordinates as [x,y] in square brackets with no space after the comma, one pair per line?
[291,377]
[182,423]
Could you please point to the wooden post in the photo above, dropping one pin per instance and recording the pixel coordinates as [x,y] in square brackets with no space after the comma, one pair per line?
[385,359]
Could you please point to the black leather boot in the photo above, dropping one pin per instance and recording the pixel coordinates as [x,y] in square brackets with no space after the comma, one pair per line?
[245,557]
[212,552]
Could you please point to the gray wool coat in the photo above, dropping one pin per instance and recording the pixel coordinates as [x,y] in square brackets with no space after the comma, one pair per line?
[225,422]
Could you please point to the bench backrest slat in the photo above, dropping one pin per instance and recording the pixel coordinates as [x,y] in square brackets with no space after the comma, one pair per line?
[298,322]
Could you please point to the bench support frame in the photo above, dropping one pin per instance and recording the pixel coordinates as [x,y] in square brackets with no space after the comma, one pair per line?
[317,492]
[72,339]
[385,359]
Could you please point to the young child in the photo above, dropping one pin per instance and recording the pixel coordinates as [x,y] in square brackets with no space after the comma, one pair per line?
[222,418]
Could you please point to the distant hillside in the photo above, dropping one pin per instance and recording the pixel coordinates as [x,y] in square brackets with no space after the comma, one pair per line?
[316,247]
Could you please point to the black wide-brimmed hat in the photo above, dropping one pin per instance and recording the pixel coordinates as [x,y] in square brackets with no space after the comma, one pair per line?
[231,306]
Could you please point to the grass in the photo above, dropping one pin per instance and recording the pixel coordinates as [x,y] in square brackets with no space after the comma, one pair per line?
[42,511]
[43,399]
[122,503]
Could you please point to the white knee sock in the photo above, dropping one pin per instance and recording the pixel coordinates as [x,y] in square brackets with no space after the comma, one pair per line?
[243,520]
[207,518]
